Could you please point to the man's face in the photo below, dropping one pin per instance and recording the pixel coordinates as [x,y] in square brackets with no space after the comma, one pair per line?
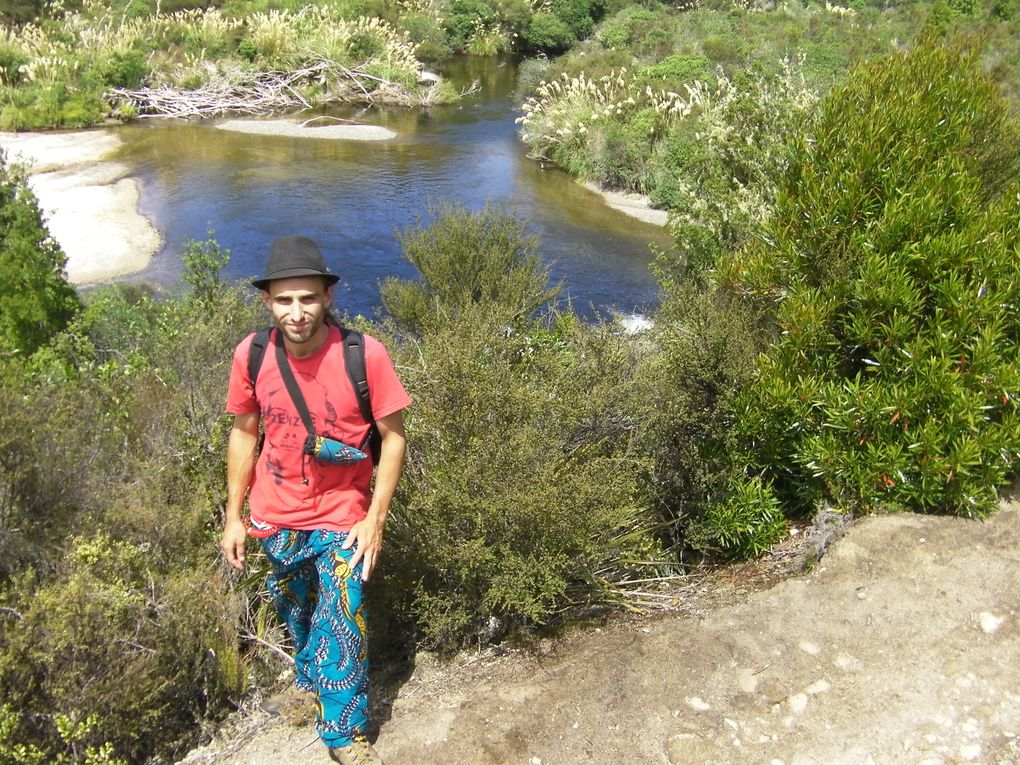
[299,306]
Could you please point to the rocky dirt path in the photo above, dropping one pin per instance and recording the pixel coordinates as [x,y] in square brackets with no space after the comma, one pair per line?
[901,646]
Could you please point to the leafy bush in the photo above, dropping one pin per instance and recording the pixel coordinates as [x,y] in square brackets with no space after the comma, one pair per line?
[461,17]
[534,519]
[890,268]
[547,32]
[707,343]
[121,623]
[579,15]
[37,301]
[1005,10]
[125,69]
[673,72]
[86,645]
[467,259]
[428,35]
[628,26]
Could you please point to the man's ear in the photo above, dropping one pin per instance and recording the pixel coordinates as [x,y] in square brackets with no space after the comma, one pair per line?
[328,296]
[267,299]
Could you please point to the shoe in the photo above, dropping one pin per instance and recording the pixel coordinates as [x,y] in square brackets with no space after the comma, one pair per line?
[358,752]
[290,699]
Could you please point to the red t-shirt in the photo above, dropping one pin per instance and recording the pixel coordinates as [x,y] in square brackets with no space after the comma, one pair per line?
[335,496]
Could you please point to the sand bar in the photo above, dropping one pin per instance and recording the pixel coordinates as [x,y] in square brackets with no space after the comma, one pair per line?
[89,203]
[292,129]
[634,205]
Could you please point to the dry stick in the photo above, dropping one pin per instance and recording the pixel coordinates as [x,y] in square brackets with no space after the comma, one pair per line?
[271,646]
[264,93]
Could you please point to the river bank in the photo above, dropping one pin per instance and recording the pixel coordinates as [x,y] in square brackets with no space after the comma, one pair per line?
[900,646]
[89,202]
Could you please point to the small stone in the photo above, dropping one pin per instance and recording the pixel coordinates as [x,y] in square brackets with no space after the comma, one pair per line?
[747,681]
[989,622]
[970,752]
[536,761]
[819,686]
[810,648]
[798,702]
[846,662]
[695,703]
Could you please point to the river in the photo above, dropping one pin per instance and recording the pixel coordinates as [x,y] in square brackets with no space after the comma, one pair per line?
[353,197]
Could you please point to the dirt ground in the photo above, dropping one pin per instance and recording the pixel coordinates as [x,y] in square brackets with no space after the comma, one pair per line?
[901,645]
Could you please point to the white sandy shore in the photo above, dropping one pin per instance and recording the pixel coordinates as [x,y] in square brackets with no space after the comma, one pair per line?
[316,129]
[90,205]
[634,205]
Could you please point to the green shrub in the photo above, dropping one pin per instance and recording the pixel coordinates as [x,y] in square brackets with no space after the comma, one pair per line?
[12,57]
[37,301]
[530,72]
[125,69]
[726,50]
[627,27]
[579,15]
[86,646]
[461,18]
[246,50]
[744,522]
[674,72]
[891,269]
[429,36]
[706,343]
[658,43]
[468,259]
[547,32]
[535,520]
[615,156]
[1004,10]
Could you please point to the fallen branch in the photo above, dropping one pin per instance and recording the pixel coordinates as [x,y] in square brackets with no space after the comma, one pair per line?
[254,93]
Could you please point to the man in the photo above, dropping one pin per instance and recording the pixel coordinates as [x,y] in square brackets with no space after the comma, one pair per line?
[320,523]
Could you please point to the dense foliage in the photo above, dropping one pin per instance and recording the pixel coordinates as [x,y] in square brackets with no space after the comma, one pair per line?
[840,327]
[76,64]
[114,615]
[520,519]
[890,269]
[37,301]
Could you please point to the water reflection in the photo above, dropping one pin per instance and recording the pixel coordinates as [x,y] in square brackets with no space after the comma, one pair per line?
[352,197]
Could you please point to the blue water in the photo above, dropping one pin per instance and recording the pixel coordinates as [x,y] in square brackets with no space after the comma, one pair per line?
[353,197]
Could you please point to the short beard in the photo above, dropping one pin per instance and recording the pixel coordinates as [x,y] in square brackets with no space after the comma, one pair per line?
[302,338]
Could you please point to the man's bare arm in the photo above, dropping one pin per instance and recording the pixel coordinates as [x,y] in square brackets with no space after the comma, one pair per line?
[242,448]
[369,532]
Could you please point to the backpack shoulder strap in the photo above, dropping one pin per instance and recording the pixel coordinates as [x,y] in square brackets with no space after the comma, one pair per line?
[257,352]
[354,362]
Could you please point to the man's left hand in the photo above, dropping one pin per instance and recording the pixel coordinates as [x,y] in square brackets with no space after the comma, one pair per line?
[368,535]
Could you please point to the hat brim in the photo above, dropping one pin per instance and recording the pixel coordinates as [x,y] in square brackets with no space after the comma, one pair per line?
[293,273]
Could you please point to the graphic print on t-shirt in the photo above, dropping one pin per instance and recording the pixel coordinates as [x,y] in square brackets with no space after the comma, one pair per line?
[286,433]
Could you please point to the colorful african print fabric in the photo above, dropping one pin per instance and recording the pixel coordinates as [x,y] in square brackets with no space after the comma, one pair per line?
[318,598]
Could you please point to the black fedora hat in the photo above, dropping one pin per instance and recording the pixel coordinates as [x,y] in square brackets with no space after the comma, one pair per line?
[292,256]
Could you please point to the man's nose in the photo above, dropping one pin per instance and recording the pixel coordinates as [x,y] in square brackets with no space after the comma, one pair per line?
[296,309]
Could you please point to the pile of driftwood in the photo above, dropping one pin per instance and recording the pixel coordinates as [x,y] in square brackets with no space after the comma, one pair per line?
[256,92]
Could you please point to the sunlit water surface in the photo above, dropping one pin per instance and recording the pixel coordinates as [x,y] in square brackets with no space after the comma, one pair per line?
[353,197]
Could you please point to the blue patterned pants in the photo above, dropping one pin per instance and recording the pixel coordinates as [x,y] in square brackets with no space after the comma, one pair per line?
[318,598]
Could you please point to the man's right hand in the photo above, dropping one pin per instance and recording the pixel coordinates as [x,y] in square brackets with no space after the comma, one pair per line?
[232,543]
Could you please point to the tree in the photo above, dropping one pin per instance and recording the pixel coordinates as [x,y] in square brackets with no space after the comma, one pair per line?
[890,270]
[468,259]
[36,300]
